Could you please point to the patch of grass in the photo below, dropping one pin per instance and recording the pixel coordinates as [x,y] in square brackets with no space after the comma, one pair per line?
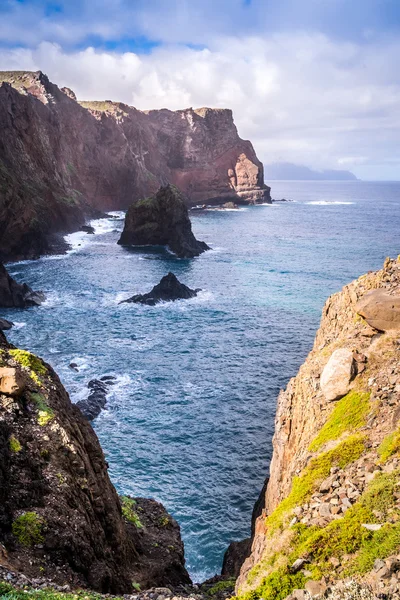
[15,445]
[276,586]
[221,586]
[46,414]
[27,528]
[8,592]
[136,586]
[347,536]
[318,469]
[349,415]
[389,446]
[129,512]
[31,362]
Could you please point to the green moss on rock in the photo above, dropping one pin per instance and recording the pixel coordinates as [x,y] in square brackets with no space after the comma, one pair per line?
[46,414]
[31,362]
[277,586]
[15,445]
[27,528]
[348,415]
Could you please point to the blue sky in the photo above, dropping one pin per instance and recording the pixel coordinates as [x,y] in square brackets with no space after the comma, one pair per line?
[312,81]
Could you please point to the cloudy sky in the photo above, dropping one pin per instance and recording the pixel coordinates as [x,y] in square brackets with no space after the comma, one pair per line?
[314,82]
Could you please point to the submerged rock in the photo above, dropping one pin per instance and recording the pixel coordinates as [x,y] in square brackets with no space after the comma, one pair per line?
[168,290]
[13,294]
[87,229]
[162,220]
[92,406]
[60,515]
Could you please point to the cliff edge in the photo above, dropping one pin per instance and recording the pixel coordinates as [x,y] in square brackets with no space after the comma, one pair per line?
[60,516]
[333,501]
[62,161]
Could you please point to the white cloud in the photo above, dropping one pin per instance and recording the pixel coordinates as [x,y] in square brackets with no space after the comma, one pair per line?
[300,98]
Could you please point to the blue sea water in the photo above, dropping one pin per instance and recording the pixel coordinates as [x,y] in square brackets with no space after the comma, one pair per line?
[191,417]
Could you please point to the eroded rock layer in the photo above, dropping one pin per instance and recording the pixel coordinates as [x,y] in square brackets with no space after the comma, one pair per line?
[61,160]
[60,516]
[333,502]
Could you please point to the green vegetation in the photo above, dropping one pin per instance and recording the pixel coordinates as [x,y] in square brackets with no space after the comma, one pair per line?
[28,529]
[31,362]
[136,586]
[221,586]
[8,592]
[128,511]
[389,446]
[46,414]
[277,586]
[15,445]
[318,469]
[349,414]
[164,521]
[347,536]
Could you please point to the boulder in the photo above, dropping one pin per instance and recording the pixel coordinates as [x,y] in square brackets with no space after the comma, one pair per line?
[380,310]
[5,325]
[162,220]
[168,290]
[13,294]
[12,382]
[337,374]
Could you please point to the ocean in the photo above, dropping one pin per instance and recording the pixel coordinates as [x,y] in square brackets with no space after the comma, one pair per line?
[191,417]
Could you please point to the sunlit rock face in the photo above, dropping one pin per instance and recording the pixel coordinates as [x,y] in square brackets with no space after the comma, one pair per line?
[61,160]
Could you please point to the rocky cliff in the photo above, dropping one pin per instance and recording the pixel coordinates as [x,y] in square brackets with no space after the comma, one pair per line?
[61,161]
[333,500]
[60,517]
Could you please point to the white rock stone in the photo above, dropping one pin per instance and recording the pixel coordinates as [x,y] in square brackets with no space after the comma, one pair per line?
[337,374]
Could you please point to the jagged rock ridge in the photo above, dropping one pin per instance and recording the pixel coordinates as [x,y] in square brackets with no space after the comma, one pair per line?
[61,160]
[60,516]
[332,505]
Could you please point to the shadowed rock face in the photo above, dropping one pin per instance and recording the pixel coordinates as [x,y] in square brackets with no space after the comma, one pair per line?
[61,161]
[13,294]
[162,220]
[59,512]
[168,290]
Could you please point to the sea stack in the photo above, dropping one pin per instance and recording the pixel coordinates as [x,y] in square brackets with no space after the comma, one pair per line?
[168,290]
[162,220]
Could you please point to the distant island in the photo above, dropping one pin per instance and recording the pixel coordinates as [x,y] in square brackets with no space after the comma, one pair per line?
[286,170]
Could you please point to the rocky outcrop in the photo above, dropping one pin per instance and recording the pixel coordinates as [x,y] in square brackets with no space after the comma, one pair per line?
[168,290]
[5,325]
[60,516]
[92,406]
[162,220]
[61,161]
[335,460]
[13,294]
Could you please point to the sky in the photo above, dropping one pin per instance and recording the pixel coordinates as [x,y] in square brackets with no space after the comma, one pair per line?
[313,82]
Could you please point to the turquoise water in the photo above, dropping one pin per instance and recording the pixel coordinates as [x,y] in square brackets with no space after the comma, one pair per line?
[191,418]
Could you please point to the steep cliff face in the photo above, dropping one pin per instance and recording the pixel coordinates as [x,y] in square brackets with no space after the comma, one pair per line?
[332,502]
[60,516]
[61,160]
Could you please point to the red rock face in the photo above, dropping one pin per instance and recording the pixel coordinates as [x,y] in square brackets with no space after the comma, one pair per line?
[61,160]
